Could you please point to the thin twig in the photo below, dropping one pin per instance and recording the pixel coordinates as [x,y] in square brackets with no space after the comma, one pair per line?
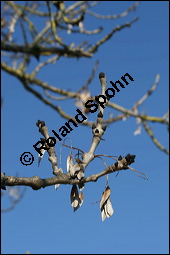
[155,141]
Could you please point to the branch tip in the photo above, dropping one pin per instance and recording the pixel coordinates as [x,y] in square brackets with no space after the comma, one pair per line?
[102,75]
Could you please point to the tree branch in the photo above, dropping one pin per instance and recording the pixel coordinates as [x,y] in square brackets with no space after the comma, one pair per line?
[36,182]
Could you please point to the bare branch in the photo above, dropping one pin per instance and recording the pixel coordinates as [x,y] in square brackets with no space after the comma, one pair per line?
[44,51]
[116,16]
[42,64]
[36,182]
[155,141]
[95,47]
[148,93]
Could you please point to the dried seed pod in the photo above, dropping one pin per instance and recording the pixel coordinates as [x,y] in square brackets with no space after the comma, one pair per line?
[70,166]
[76,198]
[105,204]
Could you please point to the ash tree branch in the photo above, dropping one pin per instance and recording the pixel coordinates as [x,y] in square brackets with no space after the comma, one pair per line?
[76,176]
[36,182]
[38,50]
[29,78]
[51,150]
[116,16]
[95,47]
[98,130]
[148,93]
[155,141]
[62,16]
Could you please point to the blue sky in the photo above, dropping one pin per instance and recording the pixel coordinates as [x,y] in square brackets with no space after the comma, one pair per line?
[44,221]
